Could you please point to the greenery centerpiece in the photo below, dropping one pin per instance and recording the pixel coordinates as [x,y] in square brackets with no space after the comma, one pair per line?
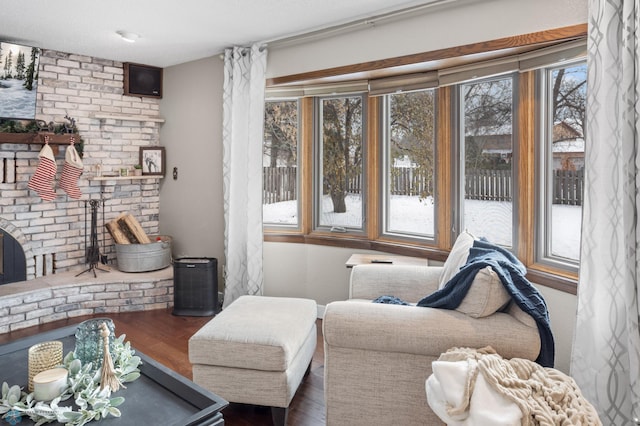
[8,125]
[92,401]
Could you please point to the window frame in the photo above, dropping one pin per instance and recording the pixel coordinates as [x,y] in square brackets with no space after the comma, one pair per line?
[459,122]
[317,160]
[283,227]
[384,146]
[525,178]
[544,168]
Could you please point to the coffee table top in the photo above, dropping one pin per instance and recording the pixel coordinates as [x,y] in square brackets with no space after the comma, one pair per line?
[159,396]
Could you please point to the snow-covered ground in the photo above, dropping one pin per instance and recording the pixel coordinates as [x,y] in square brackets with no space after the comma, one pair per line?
[490,219]
[16,101]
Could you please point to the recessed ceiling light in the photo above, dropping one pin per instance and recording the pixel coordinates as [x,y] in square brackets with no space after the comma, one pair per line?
[128,36]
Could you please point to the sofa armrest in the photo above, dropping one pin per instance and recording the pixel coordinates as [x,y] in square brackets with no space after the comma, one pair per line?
[409,283]
[424,331]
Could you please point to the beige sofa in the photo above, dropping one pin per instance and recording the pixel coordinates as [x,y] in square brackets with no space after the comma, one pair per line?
[378,356]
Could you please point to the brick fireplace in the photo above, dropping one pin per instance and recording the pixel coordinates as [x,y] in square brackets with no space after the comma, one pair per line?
[113,127]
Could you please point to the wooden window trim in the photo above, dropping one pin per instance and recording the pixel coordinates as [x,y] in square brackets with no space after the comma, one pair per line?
[306,153]
[530,39]
[374,168]
[526,167]
[444,169]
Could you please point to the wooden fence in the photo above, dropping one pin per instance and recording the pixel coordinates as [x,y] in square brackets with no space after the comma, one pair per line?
[489,185]
[568,187]
[279,184]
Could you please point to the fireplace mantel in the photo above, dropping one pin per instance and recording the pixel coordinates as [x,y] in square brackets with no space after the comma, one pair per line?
[38,138]
[55,139]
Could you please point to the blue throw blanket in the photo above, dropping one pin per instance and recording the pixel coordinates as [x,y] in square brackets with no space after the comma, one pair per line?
[512,275]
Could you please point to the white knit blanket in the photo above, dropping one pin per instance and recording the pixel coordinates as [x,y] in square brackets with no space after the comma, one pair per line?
[471,387]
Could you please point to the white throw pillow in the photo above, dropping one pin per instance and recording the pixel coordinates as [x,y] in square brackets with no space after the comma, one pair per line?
[457,258]
[485,296]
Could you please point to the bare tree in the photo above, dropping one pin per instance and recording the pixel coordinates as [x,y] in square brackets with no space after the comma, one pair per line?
[341,146]
[569,95]
[412,133]
[281,132]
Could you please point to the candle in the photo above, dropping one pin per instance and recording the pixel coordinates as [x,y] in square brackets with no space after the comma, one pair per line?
[49,384]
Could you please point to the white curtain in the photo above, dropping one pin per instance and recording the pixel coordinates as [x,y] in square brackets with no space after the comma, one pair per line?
[606,352]
[243,112]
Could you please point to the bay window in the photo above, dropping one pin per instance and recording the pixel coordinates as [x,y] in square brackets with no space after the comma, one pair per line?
[404,163]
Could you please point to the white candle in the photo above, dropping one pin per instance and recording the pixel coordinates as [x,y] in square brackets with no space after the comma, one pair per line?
[49,384]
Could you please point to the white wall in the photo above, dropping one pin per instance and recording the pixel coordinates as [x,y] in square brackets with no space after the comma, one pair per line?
[319,273]
[450,26]
[191,207]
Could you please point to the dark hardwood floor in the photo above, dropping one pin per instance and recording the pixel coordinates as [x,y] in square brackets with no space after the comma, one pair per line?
[164,337]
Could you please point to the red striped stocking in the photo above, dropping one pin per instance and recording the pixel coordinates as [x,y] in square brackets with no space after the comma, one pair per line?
[42,179]
[71,172]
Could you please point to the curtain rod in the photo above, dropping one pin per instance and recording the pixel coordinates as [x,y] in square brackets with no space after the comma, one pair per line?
[370,21]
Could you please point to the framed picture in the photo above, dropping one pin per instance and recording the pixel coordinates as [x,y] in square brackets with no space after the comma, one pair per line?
[18,81]
[152,160]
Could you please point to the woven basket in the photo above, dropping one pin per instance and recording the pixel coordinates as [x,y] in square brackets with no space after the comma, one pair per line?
[43,356]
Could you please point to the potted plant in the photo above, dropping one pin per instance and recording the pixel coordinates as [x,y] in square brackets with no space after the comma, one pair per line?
[137,170]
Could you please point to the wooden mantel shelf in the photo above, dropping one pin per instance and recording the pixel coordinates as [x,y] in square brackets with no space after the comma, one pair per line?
[108,178]
[128,118]
[38,138]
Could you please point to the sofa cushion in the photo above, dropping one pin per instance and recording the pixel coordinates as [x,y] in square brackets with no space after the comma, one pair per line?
[485,296]
[457,258]
[255,332]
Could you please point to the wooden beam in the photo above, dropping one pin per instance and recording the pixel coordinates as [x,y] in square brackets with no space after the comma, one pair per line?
[38,138]
[531,39]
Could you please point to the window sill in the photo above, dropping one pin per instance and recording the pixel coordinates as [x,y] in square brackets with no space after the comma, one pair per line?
[360,244]
[538,274]
[559,280]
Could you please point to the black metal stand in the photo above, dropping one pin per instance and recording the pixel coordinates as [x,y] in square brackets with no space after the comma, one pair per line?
[93,251]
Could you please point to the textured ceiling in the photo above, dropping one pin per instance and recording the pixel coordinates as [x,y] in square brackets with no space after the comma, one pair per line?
[173,32]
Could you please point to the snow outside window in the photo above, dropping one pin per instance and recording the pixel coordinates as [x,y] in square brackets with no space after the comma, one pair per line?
[562,162]
[487,159]
[409,158]
[280,177]
[339,177]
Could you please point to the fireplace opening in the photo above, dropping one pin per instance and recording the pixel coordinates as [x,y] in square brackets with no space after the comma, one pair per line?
[13,265]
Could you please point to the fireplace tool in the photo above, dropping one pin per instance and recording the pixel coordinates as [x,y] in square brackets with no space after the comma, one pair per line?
[93,250]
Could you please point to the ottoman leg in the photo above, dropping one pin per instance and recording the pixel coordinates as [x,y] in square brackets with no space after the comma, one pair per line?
[279,416]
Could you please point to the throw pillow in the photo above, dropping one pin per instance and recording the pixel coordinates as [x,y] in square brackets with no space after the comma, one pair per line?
[485,296]
[457,258]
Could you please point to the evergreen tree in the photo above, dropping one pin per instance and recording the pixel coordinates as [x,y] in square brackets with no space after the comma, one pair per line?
[31,70]
[20,67]
[8,64]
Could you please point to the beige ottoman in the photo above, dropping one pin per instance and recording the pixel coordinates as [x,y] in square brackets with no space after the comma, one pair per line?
[256,351]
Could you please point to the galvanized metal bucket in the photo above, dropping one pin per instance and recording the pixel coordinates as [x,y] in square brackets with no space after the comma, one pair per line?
[144,257]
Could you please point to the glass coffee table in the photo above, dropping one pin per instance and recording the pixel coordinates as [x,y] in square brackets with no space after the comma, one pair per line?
[159,397]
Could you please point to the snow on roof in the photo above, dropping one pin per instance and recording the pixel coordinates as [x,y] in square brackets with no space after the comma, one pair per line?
[569,145]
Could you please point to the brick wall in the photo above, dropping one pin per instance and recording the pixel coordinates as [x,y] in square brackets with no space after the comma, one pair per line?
[64,296]
[53,233]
